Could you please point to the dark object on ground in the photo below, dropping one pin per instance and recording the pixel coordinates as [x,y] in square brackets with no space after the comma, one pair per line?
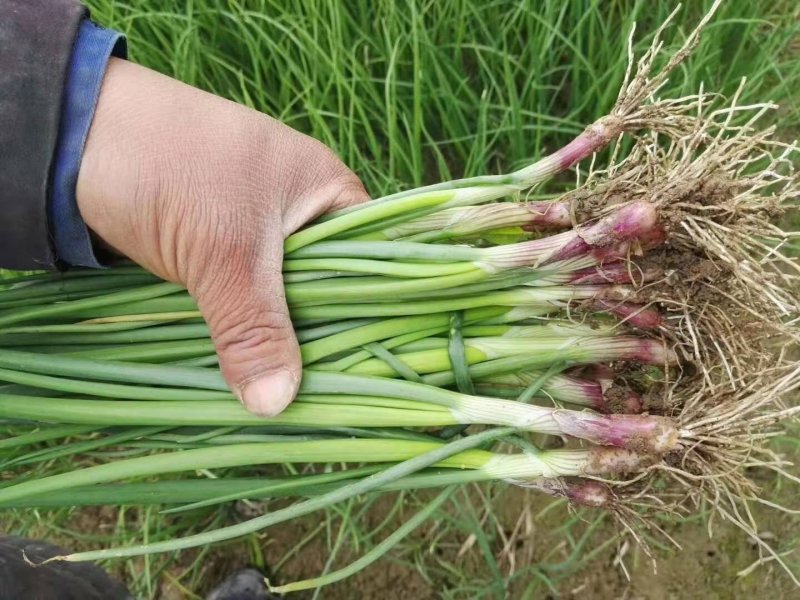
[247,584]
[54,581]
[20,578]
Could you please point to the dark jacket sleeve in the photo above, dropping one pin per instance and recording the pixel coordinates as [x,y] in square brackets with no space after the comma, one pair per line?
[36,38]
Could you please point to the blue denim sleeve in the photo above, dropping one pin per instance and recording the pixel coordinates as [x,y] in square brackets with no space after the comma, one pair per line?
[91,52]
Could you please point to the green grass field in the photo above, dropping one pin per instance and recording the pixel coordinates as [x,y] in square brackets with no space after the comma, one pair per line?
[415,92]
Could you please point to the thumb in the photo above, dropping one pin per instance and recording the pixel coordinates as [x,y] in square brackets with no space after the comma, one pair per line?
[253,334]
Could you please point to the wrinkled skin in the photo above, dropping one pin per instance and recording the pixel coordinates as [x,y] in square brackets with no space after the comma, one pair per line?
[202,192]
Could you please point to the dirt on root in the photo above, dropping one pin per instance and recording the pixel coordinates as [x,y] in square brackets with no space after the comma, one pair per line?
[617,399]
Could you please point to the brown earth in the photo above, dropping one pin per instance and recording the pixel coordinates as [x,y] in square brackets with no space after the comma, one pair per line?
[534,549]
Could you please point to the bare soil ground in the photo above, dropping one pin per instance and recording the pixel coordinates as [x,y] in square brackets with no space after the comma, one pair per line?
[534,545]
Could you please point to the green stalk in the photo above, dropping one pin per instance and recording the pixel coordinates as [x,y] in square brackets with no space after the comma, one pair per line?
[211,360]
[366,231]
[551,297]
[67,348]
[342,364]
[391,251]
[462,409]
[306,276]
[189,343]
[378,288]
[499,366]
[545,297]
[430,355]
[327,346]
[397,366]
[467,409]
[128,335]
[83,328]
[378,267]
[177,305]
[425,361]
[368,215]
[472,221]
[373,554]
[191,493]
[43,435]
[68,308]
[156,351]
[309,334]
[238,455]
[381,401]
[189,316]
[303,508]
[49,454]
[83,368]
[97,284]
[523,276]
[41,276]
[109,390]
[303,412]
[619,430]
[547,328]
[519,180]
[392,433]
[457,354]
[419,202]
[9,306]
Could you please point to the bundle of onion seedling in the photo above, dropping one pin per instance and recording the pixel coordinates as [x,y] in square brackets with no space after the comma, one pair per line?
[636,319]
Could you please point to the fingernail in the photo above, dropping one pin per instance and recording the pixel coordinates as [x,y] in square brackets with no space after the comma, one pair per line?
[269,394]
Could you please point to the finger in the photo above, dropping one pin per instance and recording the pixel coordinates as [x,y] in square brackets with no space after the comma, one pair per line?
[253,335]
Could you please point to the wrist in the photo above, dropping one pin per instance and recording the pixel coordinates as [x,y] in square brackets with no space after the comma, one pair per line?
[91,51]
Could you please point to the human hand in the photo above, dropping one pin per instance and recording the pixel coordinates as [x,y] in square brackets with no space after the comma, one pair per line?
[202,191]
